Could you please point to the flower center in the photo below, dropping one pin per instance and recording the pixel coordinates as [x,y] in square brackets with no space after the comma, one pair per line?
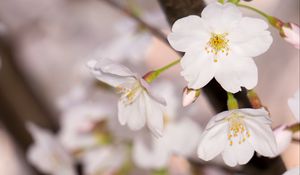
[129,94]
[216,44]
[237,130]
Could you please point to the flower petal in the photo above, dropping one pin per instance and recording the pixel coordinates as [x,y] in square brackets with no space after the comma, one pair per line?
[179,133]
[154,116]
[283,138]
[251,38]
[212,142]
[238,153]
[188,32]
[133,114]
[221,18]
[198,69]
[149,156]
[235,72]
[294,105]
[261,138]
[110,72]
[293,171]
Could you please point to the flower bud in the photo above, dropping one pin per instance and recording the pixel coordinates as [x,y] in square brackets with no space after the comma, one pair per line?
[189,96]
[290,32]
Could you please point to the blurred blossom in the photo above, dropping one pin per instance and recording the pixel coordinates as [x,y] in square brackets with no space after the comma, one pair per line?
[78,126]
[131,41]
[47,153]
[236,134]
[294,105]
[152,153]
[104,160]
[294,171]
[283,138]
[220,47]
[291,34]
[137,105]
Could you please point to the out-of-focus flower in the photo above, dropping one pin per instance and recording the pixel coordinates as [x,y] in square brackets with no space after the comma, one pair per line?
[290,32]
[131,41]
[151,153]
[157,153]
[103,160]
[220,45]
[79,125]
[294,105]
[138,105]
[283,138]
[47,154]
[189,96]
[294,171]
[237,134]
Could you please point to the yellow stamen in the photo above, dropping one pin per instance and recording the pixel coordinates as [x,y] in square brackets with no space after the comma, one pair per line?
[217,43]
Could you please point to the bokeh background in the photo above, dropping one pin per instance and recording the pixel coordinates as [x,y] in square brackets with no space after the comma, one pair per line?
[46,44]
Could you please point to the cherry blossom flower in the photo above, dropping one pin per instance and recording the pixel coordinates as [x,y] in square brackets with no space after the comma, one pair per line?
[294,105]
[151,153]
[291,34]
[78,124]
[220,44]
[283,138]
[47,154]
[138,105]
[156,153]
[103,160]
[236,134]
[294,171]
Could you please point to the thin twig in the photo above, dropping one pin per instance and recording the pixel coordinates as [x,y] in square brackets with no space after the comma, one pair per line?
[157,33]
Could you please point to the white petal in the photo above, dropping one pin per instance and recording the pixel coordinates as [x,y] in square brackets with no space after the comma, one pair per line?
[154,116]
[110,72]
[294,105]
[188,32]
[261,138]
[198,69]
[236,72]
[213,142]
[238,153]
[221,18]
[283,138]
[132,114]
[181,132]
[250,38]
[294,171]
[149,156]
[259,115]
[217,119]
[153,94]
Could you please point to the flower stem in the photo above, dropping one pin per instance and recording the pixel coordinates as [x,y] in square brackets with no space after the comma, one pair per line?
[272,20]
[294,127]
[232,103]
[152,75]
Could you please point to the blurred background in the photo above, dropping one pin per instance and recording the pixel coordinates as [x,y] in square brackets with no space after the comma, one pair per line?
[45,45]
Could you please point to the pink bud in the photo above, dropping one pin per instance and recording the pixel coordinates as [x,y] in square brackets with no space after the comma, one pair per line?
[189,96]
[290,32]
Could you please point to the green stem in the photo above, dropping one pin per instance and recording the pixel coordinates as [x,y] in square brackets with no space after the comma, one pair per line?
[294,127]
[256,10]
[221,1]
[231,102]
[272,20]
[151,76]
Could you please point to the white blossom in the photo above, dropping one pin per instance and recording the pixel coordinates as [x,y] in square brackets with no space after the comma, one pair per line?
[236,134]
[103,160]
[78,123]
[293,171]
[138,105]
[180,138]
[220,44]
[294,105]
[47,154]
[283,138]
[291,34]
